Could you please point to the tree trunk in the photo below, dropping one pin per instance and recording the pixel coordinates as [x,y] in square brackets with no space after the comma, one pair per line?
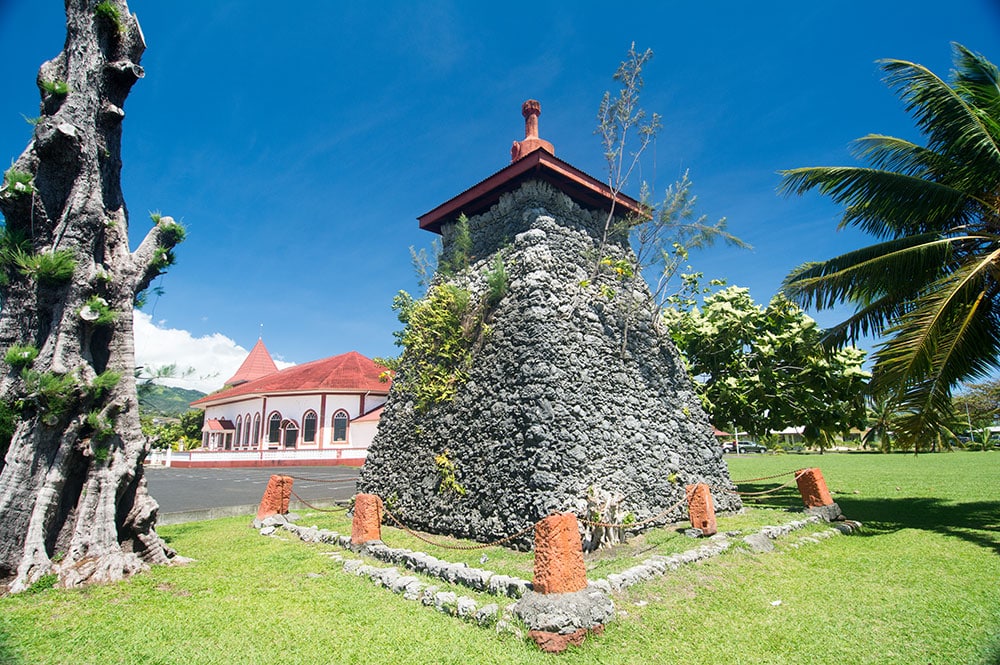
[73,499]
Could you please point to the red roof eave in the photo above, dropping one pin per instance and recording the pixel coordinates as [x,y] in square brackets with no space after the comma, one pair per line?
[540,164]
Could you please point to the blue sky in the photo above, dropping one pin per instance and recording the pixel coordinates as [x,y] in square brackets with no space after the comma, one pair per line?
[298,143]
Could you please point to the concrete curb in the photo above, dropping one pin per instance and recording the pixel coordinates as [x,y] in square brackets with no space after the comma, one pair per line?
[183,516]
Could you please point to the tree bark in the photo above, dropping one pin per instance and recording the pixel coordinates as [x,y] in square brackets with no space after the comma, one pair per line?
[73,499]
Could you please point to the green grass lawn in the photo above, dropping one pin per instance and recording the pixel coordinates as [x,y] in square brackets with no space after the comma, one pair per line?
[918,585]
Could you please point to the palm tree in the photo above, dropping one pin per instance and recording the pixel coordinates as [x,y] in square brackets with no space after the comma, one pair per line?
[881,421]
[931,285]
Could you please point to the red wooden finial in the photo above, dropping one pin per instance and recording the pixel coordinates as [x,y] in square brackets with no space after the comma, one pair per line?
[531,109]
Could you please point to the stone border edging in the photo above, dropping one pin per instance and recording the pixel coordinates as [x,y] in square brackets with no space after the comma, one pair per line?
[462,574]
[495,584]
[656,566]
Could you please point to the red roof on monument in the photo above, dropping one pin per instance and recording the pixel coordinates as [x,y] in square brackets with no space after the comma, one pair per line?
[348,372]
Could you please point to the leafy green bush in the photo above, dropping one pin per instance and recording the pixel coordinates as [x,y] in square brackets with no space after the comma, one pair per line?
[459,254]
[55,87]
[43,583]
[51,393]
[19,355]
[54,267]
[446,470]
[104,383]
[172,233]
[108,11]
[16,183]
[98,312]
[497,282]
[103,428]
[163,258]
[441,331]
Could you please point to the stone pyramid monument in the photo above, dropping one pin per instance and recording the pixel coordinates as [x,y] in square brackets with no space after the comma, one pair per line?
[554,405]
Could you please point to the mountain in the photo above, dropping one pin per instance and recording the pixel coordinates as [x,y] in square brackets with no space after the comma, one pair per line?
[165,400]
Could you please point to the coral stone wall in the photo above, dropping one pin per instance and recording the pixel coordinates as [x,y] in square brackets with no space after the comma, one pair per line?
[552,406]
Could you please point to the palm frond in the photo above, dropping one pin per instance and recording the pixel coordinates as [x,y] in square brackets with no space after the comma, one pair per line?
[978,80]
[952,125]
[866,274]
[948,334]
[883,203]
[889,153]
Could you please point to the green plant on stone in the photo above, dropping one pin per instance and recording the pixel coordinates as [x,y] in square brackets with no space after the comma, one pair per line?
[16,183]
[51,268]
[102,427]
[52,394]
[458,256]
[172,234]
[163,258]
[446,470]
[108,11]
[56,87]
[20,355]
[98,312]
[497,282]
[101,452]
[440,334]
[104,383]
[32,121]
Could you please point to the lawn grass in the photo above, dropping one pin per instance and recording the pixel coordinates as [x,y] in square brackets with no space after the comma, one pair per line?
[919,585]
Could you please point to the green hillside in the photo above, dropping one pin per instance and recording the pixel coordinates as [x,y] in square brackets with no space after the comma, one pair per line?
[165,400]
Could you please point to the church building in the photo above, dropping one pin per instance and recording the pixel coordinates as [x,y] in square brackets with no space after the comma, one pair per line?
[324,412]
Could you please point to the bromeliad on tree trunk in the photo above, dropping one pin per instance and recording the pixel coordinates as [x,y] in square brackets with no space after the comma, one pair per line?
[73,499]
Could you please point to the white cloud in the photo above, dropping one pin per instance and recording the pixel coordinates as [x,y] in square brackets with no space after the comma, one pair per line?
[213,358]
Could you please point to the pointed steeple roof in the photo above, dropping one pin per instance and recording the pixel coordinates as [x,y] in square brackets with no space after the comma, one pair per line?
[257,365]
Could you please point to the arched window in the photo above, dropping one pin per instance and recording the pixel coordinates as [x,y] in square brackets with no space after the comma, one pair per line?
[309,427]
[246,431]
[340,426]
[274,428]
[256,430]
[290,430]
[239,431]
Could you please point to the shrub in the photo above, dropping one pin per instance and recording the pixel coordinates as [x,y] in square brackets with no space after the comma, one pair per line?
[16,183]
[20,355]
[97,311]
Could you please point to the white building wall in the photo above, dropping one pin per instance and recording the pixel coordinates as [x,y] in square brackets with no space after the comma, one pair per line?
[349,402]
[294,407]
[361,434]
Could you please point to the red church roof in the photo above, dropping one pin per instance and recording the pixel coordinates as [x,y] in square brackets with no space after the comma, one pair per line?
[257,365]
[348,372]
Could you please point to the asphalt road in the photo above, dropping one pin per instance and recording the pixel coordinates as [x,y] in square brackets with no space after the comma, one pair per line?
[191,490]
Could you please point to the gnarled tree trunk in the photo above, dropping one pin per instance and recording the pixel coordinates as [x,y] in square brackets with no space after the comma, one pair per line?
[73,500]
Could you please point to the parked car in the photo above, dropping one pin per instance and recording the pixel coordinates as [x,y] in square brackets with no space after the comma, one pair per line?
[744,446]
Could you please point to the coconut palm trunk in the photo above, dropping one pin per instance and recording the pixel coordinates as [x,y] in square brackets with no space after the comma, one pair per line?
[73,499]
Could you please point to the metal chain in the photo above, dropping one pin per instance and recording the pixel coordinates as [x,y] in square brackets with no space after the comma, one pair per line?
[756,480]
[480,546]
[764,492]
[322,510]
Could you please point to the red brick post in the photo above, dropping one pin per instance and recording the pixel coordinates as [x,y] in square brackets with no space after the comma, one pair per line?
[276,497]
[559,566]
[813,489]
[701,510]
[367,524]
